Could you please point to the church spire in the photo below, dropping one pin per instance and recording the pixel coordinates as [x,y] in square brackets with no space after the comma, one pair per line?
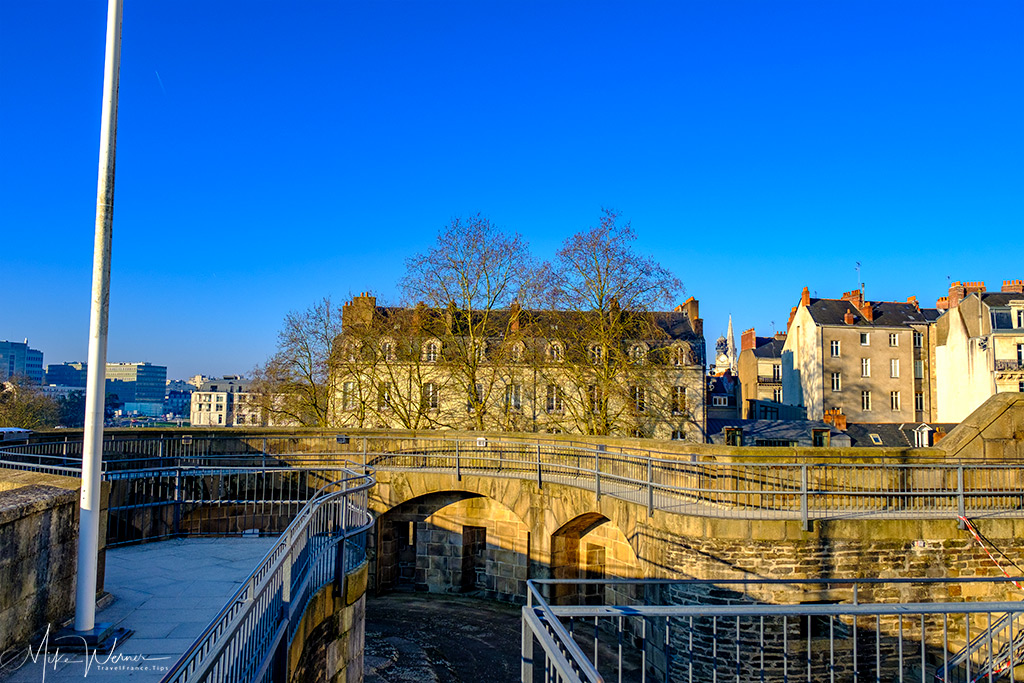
[732,347]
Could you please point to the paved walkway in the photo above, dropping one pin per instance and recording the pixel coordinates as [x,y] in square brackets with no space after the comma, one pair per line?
[167,593]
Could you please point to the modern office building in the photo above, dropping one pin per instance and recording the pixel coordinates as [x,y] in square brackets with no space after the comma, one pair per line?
[17,359]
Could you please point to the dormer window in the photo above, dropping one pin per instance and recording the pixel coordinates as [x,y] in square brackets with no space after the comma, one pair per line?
[637,353]
[517,352]
[556,352]
[387,349]
[430,351]
[596,354]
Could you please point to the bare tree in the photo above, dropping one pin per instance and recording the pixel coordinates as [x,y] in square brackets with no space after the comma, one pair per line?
[298,383]
[474,281]
[607,294]
[24,405]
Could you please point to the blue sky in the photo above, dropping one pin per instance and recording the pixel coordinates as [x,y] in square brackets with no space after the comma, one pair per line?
[273,153]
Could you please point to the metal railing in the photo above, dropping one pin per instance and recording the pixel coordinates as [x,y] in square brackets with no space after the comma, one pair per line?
[325,542]
[728,634]
[687,484]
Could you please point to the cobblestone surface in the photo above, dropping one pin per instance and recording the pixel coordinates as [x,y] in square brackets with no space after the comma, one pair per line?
[440,638]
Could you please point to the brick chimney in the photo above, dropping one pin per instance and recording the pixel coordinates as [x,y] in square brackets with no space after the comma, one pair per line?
[692,309]
[781,336]
[913,301]
[359,311]
[942,303]
[958,291]
[1016,286]
[835,417]
[849,318]
[792,314]
[805,297]
[514,310]
[868,311]
[748,341]
[856,297]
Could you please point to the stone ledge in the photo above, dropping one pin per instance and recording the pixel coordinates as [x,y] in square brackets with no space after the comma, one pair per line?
[22,502]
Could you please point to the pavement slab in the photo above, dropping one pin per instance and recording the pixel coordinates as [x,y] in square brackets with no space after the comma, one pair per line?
[167,592]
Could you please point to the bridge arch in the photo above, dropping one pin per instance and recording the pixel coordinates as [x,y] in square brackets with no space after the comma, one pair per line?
[452,541]
[590,546]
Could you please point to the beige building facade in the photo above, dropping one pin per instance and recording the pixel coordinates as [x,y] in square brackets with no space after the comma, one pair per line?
[870,360]
[979,348]
[403,368]
[760,372]
[226,402]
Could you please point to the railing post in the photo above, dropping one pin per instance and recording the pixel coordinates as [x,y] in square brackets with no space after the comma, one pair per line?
[364,456]
[177,501]
[805,521]
[961,509]
[540,478]
[264,452]
[597,472]
[458,462]
[650,486]
[526,670]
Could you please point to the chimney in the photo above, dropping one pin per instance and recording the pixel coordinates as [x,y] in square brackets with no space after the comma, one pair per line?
[1016,286]
[359,311]
[856,297]
[942,303]
[792,314]
[913,300]
[781,336]
[849,318]
[869,312]
[805,298]
[691,307]
[748,340]
[835,417]
[514,316]
[974,287]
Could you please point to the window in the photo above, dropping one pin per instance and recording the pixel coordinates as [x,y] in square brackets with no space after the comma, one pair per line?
[517,353]
[428,396]
[894,367]
[555,352]
[387,350]
[837,381]
[865,400]
[430,352]
[514,397]
[555,399]
[678,400]
[875,439]
[480,352]
[596,354]
[637,353]
[384,395]
[220,419]
[720,401]
[594,398]
[894,339]
[1020,317]
[894,400]
[918,369]
[919,401]
[865,367]
[776,372]
[733,436]
[918,340]
[1020,353]
[777,395]
[639,434]
[835,348]
[639,395]
[1020,387]
[678,435]
[348,395]
[864,340]
[820,438]
[476,398]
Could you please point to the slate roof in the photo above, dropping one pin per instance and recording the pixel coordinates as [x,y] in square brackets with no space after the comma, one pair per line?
[768,347]
[893,435]
[784,430]
[887,313]
[1000,298]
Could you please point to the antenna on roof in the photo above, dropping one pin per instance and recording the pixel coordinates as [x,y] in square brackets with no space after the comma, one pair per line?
[860,285]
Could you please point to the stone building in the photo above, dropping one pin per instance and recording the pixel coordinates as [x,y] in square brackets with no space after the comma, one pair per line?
[522,370]
[979,346]
[869,359]
[760,371]
[226,402]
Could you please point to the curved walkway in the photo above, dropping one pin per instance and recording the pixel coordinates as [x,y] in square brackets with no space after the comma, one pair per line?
[167,593]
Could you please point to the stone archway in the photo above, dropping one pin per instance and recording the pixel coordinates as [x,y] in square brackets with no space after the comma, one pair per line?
[590,546]
[451,542]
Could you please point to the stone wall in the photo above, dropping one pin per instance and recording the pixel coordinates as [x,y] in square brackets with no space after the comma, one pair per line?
[995,431]
[38,553]
[328,645]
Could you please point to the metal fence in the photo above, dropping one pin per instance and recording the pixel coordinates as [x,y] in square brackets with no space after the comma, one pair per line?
[325,541]
[688,484]
[742,639]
